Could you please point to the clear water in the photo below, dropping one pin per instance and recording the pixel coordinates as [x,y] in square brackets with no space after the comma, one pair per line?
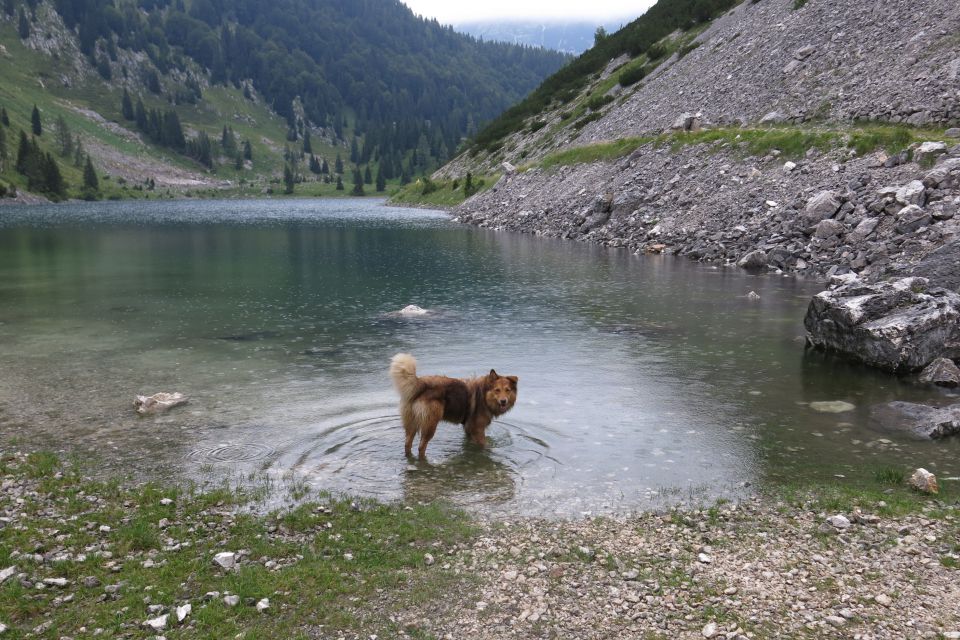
[643,380]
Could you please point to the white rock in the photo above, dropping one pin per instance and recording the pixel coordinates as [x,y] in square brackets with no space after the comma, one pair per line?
[55,582]
[226,559]
[263,605]
[3,628]
[348,557]
[166,501]
[231,601]
[911,193]
[158,402]
[789,166]
[704,558]
[835,621]
[832,406]
[923,480]
[183,612]
[428,559]
[883,599]
[157,624]
[838,521]
[753,295]
[709,630]
[7,573]
[413,310]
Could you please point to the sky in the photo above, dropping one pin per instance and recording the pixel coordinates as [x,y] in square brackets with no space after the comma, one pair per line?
[596,12]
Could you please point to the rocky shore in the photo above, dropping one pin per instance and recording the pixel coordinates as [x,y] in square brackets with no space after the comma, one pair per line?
[80,558]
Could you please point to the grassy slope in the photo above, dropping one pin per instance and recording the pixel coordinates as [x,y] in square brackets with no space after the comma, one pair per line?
[28,77]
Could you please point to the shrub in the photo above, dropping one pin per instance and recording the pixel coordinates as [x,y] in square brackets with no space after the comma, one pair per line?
[536,125]
[684,50]
[631,76]
[584,121]
[596,103]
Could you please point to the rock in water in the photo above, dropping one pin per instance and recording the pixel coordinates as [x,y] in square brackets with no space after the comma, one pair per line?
[158,402]
[924,481]
[832,406]
[919,420]
[413,310]
[899,325]
[941,371]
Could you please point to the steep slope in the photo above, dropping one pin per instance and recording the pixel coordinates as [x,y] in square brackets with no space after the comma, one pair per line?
[733,141]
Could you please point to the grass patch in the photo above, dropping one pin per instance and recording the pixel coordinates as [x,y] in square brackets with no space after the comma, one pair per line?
[594,153]
[319,564]
[441,193]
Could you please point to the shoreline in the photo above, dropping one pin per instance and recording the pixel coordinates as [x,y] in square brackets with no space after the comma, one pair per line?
[124,559]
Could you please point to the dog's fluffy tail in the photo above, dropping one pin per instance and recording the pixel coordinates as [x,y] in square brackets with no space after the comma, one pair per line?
[403,370]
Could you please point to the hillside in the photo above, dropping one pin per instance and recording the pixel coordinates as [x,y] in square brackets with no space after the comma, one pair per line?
[731,137]
[258,89]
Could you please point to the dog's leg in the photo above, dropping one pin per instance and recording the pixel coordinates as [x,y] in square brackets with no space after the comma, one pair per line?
[430,416]
[410,428]
[476,430]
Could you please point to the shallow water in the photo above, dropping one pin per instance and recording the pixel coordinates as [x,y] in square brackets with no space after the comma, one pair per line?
[643,380]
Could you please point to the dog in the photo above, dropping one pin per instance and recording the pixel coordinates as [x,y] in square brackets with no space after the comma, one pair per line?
[425,401]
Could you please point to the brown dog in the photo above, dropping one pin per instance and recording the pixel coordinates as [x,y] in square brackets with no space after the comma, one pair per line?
[425,401]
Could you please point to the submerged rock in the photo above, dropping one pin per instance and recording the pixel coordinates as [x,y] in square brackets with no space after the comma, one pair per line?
[941,371]
[832,406]
[919,420]
[158,402]
[899,325]
[413,310]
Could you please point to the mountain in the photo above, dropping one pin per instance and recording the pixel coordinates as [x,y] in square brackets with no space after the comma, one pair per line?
[568,37]
[817,137]
[364,78]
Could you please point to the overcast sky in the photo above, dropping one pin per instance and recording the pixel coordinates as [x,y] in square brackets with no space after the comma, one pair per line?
[597,11]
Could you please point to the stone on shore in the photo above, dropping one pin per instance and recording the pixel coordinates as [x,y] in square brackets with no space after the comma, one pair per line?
[822,206]
[924,481]
[158,402]
[897,326]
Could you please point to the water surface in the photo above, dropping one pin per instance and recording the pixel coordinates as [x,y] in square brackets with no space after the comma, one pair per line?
[643,380]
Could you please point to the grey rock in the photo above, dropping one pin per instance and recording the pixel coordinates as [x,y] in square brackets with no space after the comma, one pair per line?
[911,218]
[821,206]
[7,573]
[942,372]
[952,132]
[864,229]
[899,325]
[928,150]
[919,420]
[835,621]
[839,522]
[804,52]
[774,117]
[941,266]
[756,259]
[231,600]
[829,229]
[911,193]
[226,559]
[924,481]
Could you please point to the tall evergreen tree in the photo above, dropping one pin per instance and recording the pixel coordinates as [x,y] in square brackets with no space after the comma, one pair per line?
[23,28]
[91,183]
[23,152]
[35,122]
[381,181]
[367,176]
[357,182]
[338,165]
[103,67]
[3,150]
[247,150]
[354,153]
[78,152]
[307,146]
[288,179]
[4,117]
[339,183]
[126,106]
[324,167]
[63,137]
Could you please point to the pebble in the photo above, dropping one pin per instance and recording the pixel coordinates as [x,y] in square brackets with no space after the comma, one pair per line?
[428,559]
[157,624]
[226,559]
[709,630]
[835,621]
[55,582]
[839,521]
[166,501]
[7,573]
[883,599]
[231,601]
[183,612]
[263,605]
[704,558]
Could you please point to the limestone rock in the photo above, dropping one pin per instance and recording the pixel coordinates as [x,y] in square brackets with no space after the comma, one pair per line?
[821,206]
[226,559]
[928,150]
[157,624]
[924,481]
[899,325]
[753,260]
[911,193]
[941,266]
[828,229]
[912,218]
[839,522]
[158,402]
[941,371]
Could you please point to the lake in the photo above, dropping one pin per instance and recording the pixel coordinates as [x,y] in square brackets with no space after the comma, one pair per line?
[644,381]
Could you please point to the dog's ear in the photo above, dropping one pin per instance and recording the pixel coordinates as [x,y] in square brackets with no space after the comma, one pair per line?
[492,375]
[513,381]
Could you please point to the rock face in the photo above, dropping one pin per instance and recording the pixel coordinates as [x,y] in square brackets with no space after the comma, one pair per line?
[899,326]
[918,420]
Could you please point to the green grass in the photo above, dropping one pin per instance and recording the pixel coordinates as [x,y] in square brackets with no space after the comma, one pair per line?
[317,584]
[440,193]
[594,153]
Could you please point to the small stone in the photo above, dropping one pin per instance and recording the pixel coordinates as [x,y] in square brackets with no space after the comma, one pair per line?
[91,582]
[428,559]
[753,295]
[730,591]
[924,481]
[709,630]
[183,612]
[166,501]
[835,621]
[7,573]
[789,166]
[226,559]
[832,406]
[3,628]
[953,132]
[263,605]
[481,605]
[911,193]
[55,582]
[157,624]
[704,558]
[839,522]
[231,601]
[348,557]
[942,372]
[632,574]
[883,599]
[104,528]
[510,576]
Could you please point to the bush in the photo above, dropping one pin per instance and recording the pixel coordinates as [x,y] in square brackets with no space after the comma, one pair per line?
[631,76]
[656,51]
[584,121]
[596,103]
[684,50]
[536,125]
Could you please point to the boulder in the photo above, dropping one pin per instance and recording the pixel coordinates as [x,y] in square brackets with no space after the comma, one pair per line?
[828,229]
[821,206]
[158,402]
[898,326]
[953,132]
[774,117]
[911,193]
[924,481]
[911,218]
[756,259]
[918,420]
[864,229]
[929,150]
[941,266]
[942,372]
[687,122]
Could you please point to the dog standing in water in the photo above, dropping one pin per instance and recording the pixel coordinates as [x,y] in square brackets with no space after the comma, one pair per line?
[425,401]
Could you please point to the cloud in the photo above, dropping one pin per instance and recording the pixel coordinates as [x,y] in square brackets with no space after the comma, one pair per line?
[543,10]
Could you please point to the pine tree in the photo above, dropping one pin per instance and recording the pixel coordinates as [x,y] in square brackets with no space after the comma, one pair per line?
[307,146]
[468,185]
[24,25]
[339,183]
[78,152]
[288,179]
[103,67]
[247,150]
[338,166]
[64,137]
[23,153]
[357,182]
[35,121]
[91,184]
[4,117]
[354,153]
[238,162]
[126,106]
[3,150]
[314,165]
[381,181]
[140,115]
[325,168]
[367,176]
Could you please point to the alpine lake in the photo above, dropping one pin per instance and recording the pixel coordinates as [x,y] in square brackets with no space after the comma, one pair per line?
[644,380]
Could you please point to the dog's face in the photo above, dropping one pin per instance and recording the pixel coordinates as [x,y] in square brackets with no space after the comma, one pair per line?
[501,392]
